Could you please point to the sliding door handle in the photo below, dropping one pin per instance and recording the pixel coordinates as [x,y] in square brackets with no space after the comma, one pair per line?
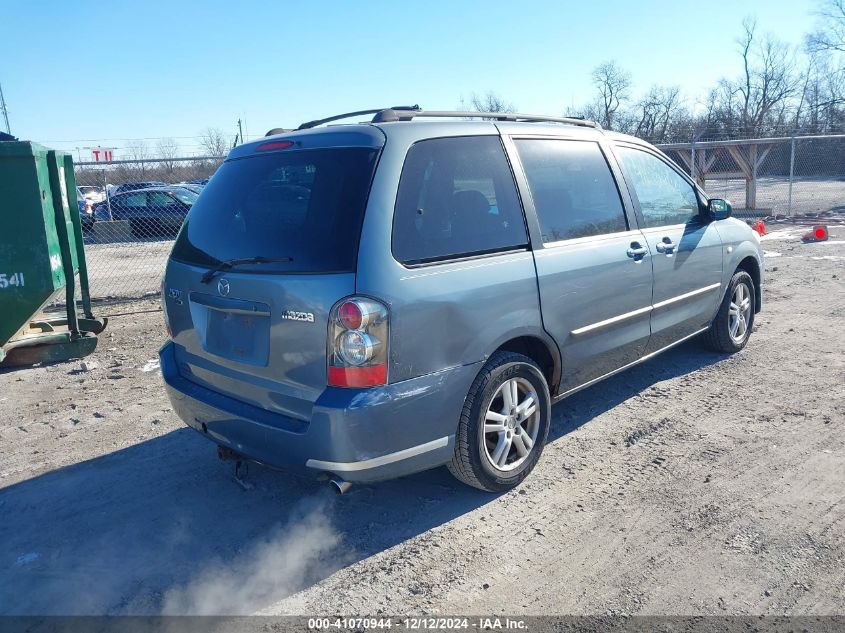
[637,251]
[666,245]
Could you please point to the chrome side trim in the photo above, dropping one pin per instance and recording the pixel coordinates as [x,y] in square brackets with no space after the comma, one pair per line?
[686,295]
[589,383]
[482,264]
[612,320]
[655,306]
[375,462]
[590,239]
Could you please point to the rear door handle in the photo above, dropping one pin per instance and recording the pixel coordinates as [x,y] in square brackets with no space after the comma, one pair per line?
[666,245]
[637,251]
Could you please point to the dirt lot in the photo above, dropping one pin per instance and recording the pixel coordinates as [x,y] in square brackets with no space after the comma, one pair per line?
[693,484]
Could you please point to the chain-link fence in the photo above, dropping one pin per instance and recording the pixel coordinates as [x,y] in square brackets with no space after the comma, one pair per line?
[132,209]
[770,177]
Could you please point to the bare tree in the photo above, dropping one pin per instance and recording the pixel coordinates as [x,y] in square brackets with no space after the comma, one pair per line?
[657,111]
[490,102]
[823,94]
[137,150]
[614,90]
[821,107]
[770,80]
[760,99]
[168,149]
[215,143]
[830,34]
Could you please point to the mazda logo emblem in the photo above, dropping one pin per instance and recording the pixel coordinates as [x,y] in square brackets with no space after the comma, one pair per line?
[223,287]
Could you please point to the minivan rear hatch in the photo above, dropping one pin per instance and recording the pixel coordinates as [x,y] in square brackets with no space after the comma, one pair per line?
[281,219]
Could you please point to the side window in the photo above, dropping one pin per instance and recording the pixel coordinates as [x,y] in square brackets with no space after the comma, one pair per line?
[456,198]
[158,199]
[573,188]
[132,200]
[665,197]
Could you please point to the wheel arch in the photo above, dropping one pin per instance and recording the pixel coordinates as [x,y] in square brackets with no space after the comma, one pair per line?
[542,350]
[750,265]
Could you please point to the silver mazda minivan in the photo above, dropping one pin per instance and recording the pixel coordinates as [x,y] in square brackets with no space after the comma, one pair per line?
[369,300]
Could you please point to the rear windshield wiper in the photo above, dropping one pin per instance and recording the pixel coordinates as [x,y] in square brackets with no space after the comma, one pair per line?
[229,263]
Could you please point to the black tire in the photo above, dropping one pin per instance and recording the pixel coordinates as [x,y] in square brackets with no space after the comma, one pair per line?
[471,462]
[718,337]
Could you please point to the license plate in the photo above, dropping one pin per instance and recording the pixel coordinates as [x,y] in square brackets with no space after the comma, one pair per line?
[240,337]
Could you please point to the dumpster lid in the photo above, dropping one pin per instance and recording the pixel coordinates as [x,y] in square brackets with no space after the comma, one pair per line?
[21,149]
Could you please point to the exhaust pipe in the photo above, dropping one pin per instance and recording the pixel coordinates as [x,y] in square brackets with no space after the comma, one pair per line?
[340,486]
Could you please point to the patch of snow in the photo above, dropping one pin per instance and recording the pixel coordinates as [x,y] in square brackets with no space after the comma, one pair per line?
[781,235]
[151,365]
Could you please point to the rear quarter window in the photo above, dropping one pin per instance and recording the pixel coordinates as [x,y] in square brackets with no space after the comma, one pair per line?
[456,198]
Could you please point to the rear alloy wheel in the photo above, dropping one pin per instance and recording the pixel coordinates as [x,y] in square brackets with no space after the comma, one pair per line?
[732,326]
[511,425]
[503,425]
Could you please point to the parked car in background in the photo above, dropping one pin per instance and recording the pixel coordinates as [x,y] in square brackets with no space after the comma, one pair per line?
[368,301]
[86,212]
[151,211]
[199,181]
[134,186]
[91,193]
[196,188]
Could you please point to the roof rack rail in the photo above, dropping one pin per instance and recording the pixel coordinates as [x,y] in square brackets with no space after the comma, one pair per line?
[408,113]
[309,124]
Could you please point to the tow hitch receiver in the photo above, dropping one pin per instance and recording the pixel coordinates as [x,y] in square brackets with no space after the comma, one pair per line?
[225,453]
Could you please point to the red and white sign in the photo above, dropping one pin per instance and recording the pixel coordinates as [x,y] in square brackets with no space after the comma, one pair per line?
[102,154]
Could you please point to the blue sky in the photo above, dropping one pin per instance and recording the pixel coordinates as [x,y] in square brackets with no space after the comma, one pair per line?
[74,73]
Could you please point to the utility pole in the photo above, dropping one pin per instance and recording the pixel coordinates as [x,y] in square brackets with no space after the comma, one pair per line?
[5,112]
[241,130]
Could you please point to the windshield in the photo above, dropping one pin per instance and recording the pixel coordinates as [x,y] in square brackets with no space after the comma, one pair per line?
[307,205]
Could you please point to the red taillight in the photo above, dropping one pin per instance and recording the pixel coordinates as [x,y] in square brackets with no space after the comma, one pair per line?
[266,147]
[821,232]
[358,376]
[164,310]
[350,315]
[357,345]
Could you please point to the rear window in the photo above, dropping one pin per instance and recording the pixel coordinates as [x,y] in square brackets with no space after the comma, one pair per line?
[307,205]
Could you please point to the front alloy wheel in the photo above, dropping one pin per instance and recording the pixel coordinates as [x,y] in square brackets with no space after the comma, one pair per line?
[739,313]
[734,321]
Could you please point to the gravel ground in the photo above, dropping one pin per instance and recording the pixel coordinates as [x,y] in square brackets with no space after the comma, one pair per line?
[693,484]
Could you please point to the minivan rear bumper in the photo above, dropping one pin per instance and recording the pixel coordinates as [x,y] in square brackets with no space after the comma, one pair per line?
[357,434]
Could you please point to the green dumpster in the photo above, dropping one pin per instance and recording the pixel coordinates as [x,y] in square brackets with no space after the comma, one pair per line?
[41,251]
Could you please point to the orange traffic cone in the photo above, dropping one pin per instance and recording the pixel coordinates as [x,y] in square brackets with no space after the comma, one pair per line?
[818,234]
[760,227]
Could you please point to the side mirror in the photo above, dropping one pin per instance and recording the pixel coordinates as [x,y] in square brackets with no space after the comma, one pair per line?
[719,209]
